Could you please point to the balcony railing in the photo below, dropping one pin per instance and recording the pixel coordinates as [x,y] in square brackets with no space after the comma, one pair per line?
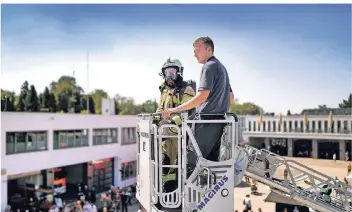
[301,130]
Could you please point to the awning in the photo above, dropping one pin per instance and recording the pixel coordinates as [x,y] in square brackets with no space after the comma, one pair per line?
[277,198]
[27,174]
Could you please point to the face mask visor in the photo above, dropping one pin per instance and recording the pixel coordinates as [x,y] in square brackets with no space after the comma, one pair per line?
[170,73]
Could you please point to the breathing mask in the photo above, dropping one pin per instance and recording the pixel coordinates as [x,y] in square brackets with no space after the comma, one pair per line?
[172,71]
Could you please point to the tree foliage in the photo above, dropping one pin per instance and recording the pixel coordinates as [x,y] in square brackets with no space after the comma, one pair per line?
[346,103]
[246,108]
[32,101]
[7,100]
[66,96]
[21,99]
[323,107]
[98,95]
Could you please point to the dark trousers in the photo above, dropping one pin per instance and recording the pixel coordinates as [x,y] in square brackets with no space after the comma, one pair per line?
[208,137]
[124,207]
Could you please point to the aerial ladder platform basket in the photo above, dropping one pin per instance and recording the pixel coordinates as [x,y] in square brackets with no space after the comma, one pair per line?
[209,188]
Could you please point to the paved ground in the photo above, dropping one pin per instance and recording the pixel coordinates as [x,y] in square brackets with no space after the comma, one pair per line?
[131,208]
[327,167]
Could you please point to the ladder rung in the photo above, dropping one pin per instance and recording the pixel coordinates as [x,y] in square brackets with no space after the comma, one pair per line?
[169,166]
[169,136]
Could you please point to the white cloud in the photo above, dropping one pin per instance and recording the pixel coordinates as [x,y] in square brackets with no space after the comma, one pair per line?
[130,67]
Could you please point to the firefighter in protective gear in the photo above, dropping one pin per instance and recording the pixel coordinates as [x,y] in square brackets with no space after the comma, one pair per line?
[174,92]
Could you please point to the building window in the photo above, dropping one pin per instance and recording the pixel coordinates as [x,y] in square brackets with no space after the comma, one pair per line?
[128,170]
[128,135]
[290,126]
[104,136]
[308,126]
[70,138]
[103,174]
[20,142]
[345,126]
[269,126]
[264,126]
[254,126]
[274,126]
[249,126]
[339,126]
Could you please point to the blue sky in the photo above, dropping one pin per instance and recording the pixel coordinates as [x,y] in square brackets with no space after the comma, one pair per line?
[278,56]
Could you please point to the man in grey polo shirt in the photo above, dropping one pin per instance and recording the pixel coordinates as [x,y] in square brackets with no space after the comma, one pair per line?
[214,97]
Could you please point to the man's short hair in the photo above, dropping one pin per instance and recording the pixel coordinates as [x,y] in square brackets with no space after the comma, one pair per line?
[207,41]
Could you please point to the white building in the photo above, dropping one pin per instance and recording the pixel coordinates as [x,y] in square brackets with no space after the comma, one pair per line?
[108,106]
[35,145]
[314,139]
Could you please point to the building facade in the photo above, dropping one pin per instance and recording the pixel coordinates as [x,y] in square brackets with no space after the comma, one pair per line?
[316,136]
[51,150]
[43,148]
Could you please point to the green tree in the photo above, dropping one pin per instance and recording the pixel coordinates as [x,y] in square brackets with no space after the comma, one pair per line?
[41,101]
[32,100]
[7,100]
[65,83]
[322,107]
[52,103]
[46,98]
[69,86]
[346,103]
[63,102]
[77,103]
[22,97]
[91,103]
[117,106]
[127,105]
[246,108]
[98,95]
[149,106]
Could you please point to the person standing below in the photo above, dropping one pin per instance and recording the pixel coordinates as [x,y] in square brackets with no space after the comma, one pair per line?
[346,156]
[124,199]
[295,209]
[285,176]
[214,97]
[348,168]
[247,204]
